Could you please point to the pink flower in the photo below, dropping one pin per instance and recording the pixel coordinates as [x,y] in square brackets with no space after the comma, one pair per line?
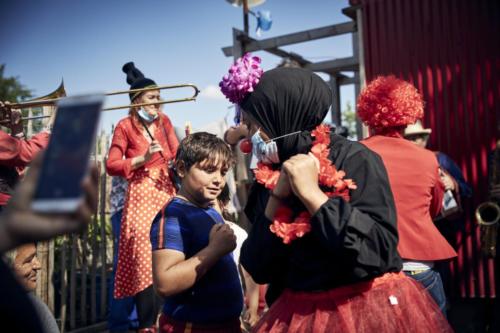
[243,76]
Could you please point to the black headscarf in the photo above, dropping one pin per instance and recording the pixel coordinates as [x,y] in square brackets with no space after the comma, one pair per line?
[287,100]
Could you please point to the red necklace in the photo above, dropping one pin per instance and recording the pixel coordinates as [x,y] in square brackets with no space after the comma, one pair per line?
[285,224]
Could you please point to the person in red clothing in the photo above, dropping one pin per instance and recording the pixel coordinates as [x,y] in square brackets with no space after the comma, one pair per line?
[143,160]
[387,105]
[16,152]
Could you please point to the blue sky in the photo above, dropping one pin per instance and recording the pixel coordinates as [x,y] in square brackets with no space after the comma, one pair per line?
[86,42]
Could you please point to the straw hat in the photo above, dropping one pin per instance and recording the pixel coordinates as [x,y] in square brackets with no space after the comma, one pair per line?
[416,128]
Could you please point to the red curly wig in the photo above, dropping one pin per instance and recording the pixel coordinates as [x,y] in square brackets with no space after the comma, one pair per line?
[389,102]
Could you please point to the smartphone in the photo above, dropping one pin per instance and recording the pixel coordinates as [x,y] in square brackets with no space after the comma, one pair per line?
[66,160]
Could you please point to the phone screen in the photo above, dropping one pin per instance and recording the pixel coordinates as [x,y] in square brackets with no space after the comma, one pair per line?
[66,159]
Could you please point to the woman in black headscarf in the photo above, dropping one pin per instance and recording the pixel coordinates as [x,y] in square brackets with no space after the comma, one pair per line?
[340,273]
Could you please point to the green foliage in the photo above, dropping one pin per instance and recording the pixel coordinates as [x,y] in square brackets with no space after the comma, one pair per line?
[89,242]
[11,89]
[349,120]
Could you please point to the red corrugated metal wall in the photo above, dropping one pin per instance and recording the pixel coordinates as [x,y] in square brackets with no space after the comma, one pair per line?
[450,50]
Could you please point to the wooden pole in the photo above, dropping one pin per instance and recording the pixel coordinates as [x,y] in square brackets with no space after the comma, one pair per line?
[245,17]
[336,107]
[50,285]
[358,51]
[72,291]
[64,283]
[83,272]
[103,241]
[94,247]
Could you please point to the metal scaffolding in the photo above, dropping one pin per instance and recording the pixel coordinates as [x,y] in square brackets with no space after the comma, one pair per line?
[243,43]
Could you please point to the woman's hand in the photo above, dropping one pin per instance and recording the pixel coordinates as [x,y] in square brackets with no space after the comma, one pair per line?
[140,160]
[302,171]
[235,133]
[15,124]
[282,189]
[155,147]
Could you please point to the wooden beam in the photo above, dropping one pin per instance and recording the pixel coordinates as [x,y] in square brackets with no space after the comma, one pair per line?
[336,65]
[348,80]
[293,56]
[294,38]
[238,48]
[351,12]
[240,38]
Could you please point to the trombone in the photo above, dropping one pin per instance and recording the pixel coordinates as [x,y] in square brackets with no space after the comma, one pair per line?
[53,101]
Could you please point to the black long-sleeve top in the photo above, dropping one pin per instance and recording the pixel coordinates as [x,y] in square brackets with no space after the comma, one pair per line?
[349,241]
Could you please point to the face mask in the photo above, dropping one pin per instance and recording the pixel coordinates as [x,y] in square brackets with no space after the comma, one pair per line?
[146,116]
[266,152]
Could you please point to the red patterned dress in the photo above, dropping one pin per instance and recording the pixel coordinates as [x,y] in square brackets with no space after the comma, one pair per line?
[149,188]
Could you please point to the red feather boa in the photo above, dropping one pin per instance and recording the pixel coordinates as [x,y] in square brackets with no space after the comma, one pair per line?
[285,224]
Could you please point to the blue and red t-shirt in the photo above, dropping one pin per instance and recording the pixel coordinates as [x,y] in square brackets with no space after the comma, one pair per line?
[216,297]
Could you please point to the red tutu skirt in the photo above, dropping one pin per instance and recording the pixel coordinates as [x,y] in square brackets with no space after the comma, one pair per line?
[390,303]
[168,325]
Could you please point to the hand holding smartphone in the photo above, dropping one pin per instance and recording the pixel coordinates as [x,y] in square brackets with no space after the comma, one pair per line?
[66,160]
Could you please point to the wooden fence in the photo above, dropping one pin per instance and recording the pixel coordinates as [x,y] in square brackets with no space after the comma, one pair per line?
[76,270]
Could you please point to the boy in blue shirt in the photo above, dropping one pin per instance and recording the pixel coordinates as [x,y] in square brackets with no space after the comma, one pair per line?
[193,268]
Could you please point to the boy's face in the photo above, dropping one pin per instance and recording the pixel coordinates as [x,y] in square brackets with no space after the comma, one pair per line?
[204,181]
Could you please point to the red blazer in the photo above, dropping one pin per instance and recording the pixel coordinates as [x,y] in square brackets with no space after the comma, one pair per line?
[418,194]
[129,142]
[18,153]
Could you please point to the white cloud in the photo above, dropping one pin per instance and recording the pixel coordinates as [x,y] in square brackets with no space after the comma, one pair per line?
[212,92]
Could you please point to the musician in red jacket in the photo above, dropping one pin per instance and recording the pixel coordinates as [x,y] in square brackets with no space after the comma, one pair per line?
[16,152]
[387,105]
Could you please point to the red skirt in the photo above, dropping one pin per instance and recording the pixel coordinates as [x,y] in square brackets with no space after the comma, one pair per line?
[390,303]
[168,325]
[148,191]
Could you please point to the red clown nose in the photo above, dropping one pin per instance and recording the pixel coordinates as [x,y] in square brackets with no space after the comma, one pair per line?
[246,146]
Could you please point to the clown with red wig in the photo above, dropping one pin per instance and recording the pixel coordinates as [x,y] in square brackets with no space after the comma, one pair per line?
[387,106]
[324,234]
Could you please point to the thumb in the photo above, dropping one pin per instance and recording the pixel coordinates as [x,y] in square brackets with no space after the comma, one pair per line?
[316,161]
